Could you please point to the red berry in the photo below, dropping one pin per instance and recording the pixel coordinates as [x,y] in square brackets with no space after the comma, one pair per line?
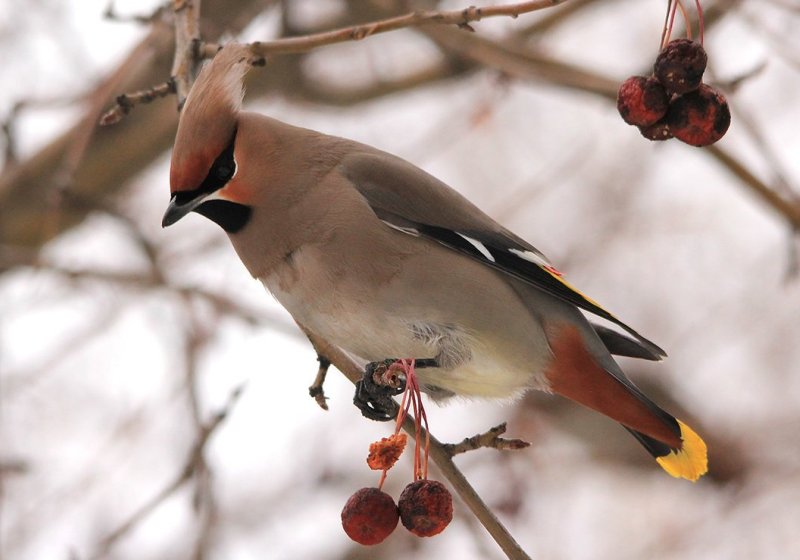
[642,101]
[369,516]
[680,65]
[700,117]
[657,132]
[426,507]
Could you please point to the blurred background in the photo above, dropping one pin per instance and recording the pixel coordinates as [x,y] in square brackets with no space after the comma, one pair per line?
[122,345]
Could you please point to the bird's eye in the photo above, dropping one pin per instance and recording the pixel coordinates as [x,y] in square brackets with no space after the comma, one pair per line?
[224,172]
[221,171]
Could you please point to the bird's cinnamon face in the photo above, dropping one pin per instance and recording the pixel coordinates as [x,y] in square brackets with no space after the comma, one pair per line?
[204,167]
[216,197]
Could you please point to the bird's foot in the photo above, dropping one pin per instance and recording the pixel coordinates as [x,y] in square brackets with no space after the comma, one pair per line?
[381,381]
[315,390]
[376,388]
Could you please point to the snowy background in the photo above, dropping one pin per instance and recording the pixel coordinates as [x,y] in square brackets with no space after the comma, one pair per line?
[108,372]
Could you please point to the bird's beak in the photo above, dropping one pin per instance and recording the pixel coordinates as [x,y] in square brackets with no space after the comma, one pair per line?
[180,205]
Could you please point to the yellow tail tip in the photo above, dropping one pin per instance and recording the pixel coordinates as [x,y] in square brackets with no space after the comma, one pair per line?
[691,460]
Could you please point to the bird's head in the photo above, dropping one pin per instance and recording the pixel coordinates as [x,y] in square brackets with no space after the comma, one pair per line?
[203,168]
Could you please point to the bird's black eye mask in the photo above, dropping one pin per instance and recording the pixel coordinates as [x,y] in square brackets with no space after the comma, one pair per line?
[230,216]
[222,170]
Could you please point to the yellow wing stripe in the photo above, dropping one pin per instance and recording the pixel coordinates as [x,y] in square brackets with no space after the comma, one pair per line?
[557,275]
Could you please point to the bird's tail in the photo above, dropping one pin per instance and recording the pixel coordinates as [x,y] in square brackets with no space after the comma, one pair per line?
[688,461]
[576,374]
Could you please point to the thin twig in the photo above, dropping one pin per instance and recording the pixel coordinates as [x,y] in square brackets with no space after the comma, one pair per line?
[141,281]
[127,101]
[8,130]
[788,208]
[189,50]
[489,439]
[13,466]
[524,64]
[440,455]
[187,38]
[461,18]
[110,13]
[63,178]
[186,473]
[204,501]
[149,249]
[554,18]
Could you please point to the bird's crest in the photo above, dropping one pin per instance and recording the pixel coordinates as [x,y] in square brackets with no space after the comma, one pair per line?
[208,120]
[220,81]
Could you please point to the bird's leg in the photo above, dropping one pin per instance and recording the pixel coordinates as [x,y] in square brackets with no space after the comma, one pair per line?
[375,390]
[316,391]
[381,381]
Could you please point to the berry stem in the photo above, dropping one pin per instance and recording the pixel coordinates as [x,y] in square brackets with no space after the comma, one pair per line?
[664,28]
[686,19]
[671,21]
[412,400]
[700,21]
[403,410]
[672,6]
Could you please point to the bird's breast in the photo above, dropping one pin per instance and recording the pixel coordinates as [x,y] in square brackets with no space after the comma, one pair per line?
[347,319]
[397,316]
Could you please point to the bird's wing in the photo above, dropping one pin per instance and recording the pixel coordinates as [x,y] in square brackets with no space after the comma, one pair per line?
[412,201]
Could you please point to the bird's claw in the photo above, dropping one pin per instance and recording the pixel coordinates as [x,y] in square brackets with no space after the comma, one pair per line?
[381,381]
[376,388]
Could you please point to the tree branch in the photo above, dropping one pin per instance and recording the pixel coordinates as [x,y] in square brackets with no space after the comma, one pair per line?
[522,63]
[12,260]
[438,452]
[189,49]
[110,13]
[788,208]
[127,101]
[114,154]
[461,18]
[490,438]
[187,39]
[193,463]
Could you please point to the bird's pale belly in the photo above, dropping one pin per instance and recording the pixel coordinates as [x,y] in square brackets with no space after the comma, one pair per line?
[470,365]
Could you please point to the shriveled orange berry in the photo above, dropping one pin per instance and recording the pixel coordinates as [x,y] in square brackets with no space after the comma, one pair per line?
[426,507]
[369,516]
[384,454]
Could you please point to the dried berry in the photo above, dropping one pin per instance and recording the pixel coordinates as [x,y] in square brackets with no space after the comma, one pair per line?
[426,507]
[384,454]
[369,516]
[680,66]
[642,101]
[700,117]
[657,132]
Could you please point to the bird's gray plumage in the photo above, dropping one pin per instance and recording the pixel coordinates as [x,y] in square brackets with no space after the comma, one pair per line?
[380,258]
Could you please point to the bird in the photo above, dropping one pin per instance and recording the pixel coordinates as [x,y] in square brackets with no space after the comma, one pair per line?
[383,260]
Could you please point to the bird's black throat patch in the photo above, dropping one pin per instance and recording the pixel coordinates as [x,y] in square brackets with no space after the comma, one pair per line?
[230,216]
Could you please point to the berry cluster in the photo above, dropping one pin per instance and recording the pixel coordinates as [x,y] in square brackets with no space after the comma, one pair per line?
[425,506]
[674,101]
[370,515]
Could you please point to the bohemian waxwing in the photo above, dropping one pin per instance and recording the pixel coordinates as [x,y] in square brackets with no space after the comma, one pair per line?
[385,261]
